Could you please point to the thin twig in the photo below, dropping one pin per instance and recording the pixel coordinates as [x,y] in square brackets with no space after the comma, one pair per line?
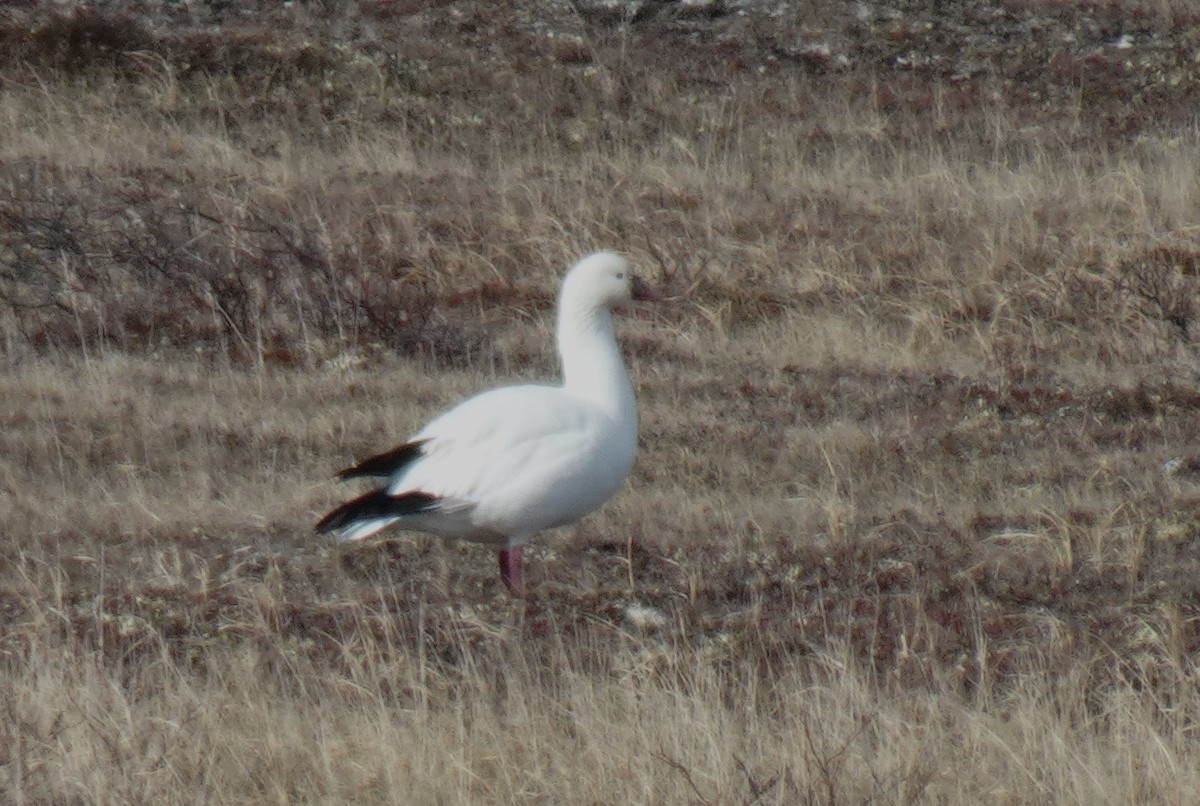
[685,772]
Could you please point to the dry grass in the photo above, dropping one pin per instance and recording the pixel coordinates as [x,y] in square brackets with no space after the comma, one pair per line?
[916,514]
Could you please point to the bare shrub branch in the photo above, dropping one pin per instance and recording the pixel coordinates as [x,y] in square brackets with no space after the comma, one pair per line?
[167,266]
[1164,282]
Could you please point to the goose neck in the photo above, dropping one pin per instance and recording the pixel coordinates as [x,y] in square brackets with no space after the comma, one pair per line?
[591,361]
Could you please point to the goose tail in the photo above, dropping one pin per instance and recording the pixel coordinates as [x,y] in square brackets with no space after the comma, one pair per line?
[371,512]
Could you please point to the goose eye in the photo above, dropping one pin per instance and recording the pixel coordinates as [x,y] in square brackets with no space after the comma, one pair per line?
[621,275]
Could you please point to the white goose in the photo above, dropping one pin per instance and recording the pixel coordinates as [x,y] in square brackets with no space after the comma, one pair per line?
[506,464]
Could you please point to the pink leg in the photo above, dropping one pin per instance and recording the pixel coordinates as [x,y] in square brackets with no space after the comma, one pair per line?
[511,569]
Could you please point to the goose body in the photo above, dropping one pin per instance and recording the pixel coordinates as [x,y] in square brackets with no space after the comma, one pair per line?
[508,463]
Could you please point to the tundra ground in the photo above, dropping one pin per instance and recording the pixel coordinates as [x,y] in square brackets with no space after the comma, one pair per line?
[917,510]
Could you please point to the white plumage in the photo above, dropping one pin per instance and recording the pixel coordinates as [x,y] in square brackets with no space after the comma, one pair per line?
[506,464]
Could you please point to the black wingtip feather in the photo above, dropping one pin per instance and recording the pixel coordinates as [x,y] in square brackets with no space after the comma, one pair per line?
[375,504]
[383,465]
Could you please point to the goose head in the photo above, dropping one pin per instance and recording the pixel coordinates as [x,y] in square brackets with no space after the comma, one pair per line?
[603,280]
